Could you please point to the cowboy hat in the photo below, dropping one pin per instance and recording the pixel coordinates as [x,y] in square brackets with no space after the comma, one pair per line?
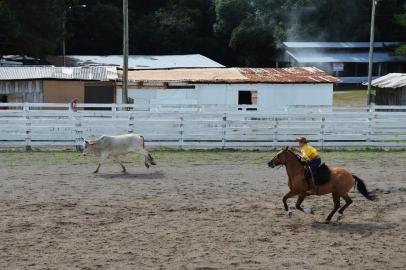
[302,139]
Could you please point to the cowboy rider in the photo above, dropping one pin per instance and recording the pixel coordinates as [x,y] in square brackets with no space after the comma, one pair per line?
[311,155]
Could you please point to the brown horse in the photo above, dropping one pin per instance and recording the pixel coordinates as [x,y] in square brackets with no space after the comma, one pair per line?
[340,183]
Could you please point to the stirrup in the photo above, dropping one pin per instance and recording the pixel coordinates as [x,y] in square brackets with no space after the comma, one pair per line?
[310,192]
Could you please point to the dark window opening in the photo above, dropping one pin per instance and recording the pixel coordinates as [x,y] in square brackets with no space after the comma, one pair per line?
[3,98]
[99,94]
[247,97]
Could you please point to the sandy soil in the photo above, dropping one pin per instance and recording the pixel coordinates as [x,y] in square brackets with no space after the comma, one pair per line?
[193,217]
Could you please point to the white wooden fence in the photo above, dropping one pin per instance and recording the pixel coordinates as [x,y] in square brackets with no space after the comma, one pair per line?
[36,125]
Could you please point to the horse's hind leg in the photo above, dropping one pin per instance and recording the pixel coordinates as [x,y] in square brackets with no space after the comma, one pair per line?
[299,201]
[288,195]
[348,201]
[336,199]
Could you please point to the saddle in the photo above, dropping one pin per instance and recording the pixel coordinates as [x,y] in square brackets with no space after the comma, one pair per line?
[322,176]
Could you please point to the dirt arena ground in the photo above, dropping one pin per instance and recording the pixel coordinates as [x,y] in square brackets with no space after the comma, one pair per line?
[195,210]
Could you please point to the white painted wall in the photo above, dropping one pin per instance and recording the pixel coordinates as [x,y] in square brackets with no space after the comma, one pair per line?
[270,96]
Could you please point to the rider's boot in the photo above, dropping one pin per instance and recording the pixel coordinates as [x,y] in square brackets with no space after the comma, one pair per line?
[312,187]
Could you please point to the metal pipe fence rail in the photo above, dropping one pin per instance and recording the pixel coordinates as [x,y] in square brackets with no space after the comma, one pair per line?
[52,124]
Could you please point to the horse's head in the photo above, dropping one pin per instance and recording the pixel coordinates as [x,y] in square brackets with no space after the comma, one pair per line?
[280,159]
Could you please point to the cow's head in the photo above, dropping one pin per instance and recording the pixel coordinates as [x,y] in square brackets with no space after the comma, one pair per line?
[88,147]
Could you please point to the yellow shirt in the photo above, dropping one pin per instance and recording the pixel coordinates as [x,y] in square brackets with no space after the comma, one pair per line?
[309,152]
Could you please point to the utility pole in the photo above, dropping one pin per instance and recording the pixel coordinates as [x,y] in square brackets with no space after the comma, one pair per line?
[64,37]
[371,51]
[125,53]
[65,17]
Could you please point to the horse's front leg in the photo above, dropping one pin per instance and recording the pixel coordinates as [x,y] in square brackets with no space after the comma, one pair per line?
[288,195]
[299,202]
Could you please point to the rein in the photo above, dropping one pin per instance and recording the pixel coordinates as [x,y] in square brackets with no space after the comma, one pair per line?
[293,156]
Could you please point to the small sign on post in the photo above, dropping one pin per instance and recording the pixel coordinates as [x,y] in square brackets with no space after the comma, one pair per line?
[338,67]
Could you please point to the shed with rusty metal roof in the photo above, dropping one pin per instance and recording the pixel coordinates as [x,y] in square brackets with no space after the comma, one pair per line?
[233,75]
[258,89]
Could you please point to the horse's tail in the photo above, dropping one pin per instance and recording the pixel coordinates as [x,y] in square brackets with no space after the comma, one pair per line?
[363,189]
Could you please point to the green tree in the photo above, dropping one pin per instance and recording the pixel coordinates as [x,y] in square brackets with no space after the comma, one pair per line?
[253,43]
[180,26]
[244,29]
[96,29]
[401,20]
[233,32]
[32,27]
[229,15]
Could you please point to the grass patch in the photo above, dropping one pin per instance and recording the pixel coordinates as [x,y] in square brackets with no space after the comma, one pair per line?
[350,97]
[186,157]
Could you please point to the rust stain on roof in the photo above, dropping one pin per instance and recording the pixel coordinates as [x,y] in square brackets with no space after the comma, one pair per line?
[287,75]
[233,75]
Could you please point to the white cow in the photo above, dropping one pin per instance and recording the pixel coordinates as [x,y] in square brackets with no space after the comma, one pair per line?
[107,146]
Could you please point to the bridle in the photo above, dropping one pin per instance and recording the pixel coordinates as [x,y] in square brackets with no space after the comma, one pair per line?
[287,159]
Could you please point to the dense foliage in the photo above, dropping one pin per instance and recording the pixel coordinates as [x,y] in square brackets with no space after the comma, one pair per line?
[401,20]
[234,32]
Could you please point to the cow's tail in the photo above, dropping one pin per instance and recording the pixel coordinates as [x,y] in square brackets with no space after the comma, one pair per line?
[150,158]
[142,141]
[361,187]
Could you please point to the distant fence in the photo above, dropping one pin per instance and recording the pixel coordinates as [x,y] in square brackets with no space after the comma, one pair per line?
[50,125]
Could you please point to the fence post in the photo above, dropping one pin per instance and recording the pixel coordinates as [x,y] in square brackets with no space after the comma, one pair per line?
[323,119]
[275,132]
[223,127]
[114,110]
[371,111]
[27,127]
[181,131]
[131,124]
[78,131]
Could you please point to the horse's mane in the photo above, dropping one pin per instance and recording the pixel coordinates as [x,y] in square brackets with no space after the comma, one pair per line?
[297,156]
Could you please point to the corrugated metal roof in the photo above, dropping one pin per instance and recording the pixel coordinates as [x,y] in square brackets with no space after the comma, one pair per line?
[391,80]
[342,57]
[233,75]
[7,63]
[58,73]
[336,45]
[141,61]
[355,79]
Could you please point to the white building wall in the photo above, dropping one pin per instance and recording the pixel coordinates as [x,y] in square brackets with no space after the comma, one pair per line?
[270,96]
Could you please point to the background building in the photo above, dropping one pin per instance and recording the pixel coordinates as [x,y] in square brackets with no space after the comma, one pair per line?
[138,61]
[262,89]
[57,84]
[390,89]
[348,61]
